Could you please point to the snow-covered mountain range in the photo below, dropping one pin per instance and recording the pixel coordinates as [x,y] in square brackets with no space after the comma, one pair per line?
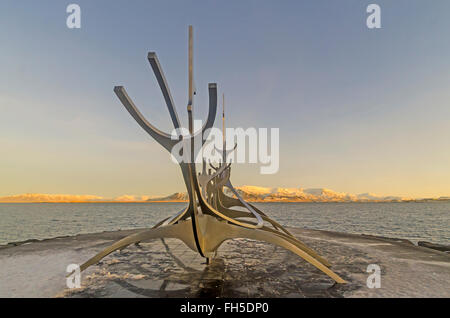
[249,193]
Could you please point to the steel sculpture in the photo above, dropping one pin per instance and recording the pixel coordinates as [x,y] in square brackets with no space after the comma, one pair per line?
[209,219]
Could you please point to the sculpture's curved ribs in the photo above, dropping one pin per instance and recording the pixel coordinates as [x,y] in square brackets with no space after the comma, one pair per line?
[212,90]
[214,210]
[228,202]
[160,223]
[205,179]
[157,70]
[298,243]
[248,214]
[229,231]
[207,208]
[242,214]
[180,231]
[247,206]
[216,174]
[225,151]
[212,166]
[161,137]
[212,111]
[175,218]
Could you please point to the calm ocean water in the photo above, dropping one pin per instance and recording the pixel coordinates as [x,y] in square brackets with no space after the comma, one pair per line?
[413,221]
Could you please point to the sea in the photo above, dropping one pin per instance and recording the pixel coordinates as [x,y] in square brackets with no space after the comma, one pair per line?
[415,221]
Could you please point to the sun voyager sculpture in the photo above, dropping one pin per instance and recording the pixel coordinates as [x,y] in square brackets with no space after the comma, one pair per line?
[209,219]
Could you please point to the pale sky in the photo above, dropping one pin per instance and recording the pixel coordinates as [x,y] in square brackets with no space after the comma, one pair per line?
[359,110]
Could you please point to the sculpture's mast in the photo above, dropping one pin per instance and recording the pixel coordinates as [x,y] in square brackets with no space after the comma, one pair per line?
[224,142]
[191,82]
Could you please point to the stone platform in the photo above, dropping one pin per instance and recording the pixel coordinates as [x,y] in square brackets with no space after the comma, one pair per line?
[242,268]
